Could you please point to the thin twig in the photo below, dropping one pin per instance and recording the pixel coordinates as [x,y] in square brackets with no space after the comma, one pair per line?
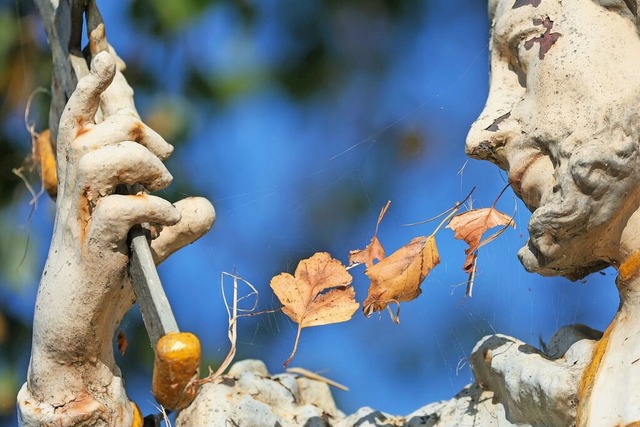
[317,377]
[504,227]
[453,208]
[161,409]
[295,346]
[232,314]
[382,213]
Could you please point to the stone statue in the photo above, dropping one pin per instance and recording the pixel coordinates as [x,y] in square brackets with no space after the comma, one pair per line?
[564,129]
[561,119]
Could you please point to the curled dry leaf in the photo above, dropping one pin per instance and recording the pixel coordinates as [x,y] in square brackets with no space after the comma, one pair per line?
[318,294]
[398,277]
[470,227]
[122,343]
[44,157]
[374,250]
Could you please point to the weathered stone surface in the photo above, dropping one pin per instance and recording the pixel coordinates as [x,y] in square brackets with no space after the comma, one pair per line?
[473,406]
[249,396]
[516,384]
[533,387]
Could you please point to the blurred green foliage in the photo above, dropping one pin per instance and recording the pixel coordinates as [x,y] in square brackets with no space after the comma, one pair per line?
[163,19]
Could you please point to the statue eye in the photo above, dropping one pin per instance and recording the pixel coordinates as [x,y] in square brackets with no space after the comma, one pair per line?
[520,51]
[521,55]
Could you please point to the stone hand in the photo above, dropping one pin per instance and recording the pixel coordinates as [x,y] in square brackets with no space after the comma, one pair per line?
[84,290]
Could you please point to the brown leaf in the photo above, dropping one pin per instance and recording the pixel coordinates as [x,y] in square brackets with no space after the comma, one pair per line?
[398,277]
[471,225]
[44,157]
[318,294]
[122,343]
[374,250]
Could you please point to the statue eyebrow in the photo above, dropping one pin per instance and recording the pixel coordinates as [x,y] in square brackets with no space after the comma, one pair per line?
[512,21]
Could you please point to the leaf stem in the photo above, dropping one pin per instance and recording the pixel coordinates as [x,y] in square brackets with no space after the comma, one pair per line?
[454,208]
[501,193]
[295,347]
[500,231]
[382,213]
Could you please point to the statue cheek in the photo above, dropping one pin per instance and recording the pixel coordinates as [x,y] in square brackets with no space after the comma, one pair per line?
[600,168]
[590,175]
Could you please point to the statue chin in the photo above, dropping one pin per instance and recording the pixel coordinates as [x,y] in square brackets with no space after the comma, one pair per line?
[535,262]
[562,234]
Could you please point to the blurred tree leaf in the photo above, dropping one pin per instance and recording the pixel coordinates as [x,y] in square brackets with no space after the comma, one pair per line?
[170,117]
[311,72]
[223,89]
[164,17]
[17,262]
[8,35]
[8,391]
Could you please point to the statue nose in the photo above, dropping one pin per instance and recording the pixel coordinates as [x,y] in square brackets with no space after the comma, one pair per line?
[487,137]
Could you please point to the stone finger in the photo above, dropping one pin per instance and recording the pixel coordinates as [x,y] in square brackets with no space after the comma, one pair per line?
[101,170]
[122,127]
[84,102]
[114,216]
[198,216]
[118,98]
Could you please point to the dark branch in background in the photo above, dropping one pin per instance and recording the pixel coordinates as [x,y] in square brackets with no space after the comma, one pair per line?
[64,36]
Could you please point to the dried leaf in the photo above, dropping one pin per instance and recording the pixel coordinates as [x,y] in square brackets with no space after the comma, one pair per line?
[318,294]
[374,250]
[398,277]
[122,343]
[43,155]
[471,225]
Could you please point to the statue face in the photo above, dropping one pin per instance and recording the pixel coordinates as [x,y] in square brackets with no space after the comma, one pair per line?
[562,119]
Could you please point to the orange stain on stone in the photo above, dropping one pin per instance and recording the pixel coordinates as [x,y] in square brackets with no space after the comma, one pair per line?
[137,132]
[590,375]
[630,268]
